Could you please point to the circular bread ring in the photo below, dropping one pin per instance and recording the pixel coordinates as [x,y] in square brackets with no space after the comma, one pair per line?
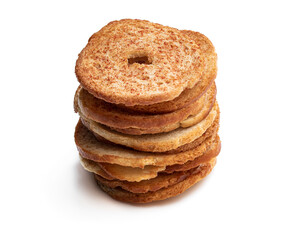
[161,194]
[189,95]
[97,110]
[173,63]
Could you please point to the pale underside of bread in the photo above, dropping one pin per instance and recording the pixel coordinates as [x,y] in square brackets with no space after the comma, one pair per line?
[160,142]
[162,193]
[99,151]
[212,130]
[124,173]
[110,115]
[173,63]
[118,172]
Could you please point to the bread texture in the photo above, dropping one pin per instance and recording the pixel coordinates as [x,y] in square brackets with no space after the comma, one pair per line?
[136,62]
[189,95]
[160,190]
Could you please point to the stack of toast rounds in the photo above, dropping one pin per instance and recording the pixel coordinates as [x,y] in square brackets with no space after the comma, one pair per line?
[149,118]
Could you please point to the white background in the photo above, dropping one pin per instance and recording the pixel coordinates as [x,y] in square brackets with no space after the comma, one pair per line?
[254,190]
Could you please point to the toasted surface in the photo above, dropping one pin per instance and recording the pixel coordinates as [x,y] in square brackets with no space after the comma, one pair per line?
[189,95]
[160,142]
[210,56]
[136,62]
[99,151]
[163,191]
[110,115]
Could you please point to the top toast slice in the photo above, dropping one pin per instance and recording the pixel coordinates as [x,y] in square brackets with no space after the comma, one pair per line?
[136,62]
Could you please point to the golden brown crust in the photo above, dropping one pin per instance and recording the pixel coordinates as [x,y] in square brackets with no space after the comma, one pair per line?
[161,194]
[173,63]
[210,55]
[89,147]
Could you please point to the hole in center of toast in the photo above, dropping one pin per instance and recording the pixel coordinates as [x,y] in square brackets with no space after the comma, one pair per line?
[139,60]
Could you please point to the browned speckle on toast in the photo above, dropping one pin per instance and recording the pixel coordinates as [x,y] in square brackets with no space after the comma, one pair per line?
[136,62]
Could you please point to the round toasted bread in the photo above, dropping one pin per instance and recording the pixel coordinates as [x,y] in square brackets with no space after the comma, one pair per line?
[136,62]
